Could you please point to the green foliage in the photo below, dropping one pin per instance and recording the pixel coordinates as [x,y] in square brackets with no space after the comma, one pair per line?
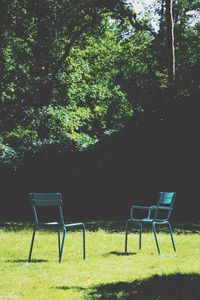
[19,136]
[7,154]
[74,71]
[8,160]
[86,101]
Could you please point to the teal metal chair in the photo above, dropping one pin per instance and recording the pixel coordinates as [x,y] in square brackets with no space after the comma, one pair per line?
[53,200]
[158,214]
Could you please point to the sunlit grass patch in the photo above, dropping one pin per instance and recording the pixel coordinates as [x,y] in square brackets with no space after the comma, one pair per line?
[107,273]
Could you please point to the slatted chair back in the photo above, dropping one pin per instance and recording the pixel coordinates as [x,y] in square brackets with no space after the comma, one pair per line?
[165,203]
[47,200]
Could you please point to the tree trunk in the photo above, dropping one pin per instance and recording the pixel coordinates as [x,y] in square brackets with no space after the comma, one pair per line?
[161,37]
[170,42]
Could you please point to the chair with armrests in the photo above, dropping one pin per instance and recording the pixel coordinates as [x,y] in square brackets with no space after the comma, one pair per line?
[155,214]
[52,200]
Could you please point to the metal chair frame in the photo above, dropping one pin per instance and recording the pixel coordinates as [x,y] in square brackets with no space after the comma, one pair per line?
[53,199]
[165,203]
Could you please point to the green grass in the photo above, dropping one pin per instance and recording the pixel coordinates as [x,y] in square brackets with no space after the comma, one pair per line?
[106,273]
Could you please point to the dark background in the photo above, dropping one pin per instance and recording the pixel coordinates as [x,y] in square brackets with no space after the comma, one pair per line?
[155,152]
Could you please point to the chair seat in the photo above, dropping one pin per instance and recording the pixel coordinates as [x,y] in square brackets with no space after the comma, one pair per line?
[142,220]
[73,224]
[56,224]
[148,220]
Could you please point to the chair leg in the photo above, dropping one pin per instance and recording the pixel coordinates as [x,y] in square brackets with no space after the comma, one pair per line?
[126,237]
[155,236]
[62,245]
[32,241]
[84,242]
[140,240]
[58,244]
[171,234]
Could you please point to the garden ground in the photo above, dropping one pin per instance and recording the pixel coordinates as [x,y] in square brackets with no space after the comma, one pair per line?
[107,273]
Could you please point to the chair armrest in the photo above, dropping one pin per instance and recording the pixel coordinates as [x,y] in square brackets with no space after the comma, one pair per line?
[154,207]
[140,207]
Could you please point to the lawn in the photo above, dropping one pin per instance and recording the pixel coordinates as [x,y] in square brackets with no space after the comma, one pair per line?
[106,273]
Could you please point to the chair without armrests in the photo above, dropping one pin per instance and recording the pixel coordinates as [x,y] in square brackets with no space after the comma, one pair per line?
[52,200]
[153,216]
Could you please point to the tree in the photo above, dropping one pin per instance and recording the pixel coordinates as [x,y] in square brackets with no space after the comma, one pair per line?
[43,42]
[73,71]
[170,39]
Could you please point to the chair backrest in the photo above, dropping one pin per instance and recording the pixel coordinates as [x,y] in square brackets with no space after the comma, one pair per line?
[166,198]
[47,200]
[166,201]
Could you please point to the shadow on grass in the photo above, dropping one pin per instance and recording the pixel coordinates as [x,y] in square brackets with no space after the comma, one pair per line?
[167,287]
[16,226]
[119,253]
[110,226]
[26,261]
[119,226]
[65,288]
